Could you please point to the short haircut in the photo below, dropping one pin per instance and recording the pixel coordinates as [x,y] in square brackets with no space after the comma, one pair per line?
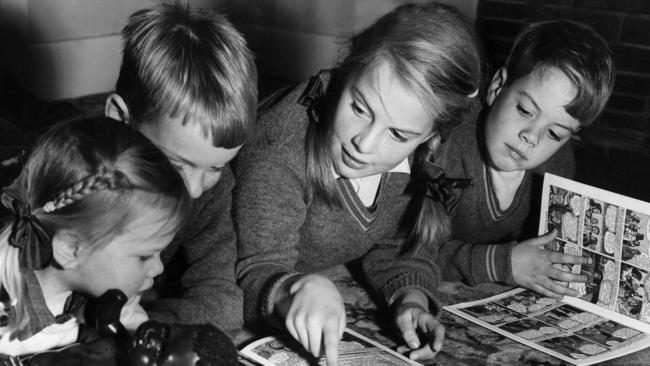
[576,50]
[192,63]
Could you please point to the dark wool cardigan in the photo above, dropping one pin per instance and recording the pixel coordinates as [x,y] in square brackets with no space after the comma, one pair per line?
[198,284]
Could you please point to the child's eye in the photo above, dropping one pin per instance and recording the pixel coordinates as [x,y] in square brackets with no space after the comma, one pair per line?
[216,169]
[554,135]
[359,110]
[144,258]
[177,166]
[523,111]
[398,135]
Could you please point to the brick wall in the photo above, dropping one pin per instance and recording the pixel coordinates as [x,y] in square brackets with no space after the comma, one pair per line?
[614,153]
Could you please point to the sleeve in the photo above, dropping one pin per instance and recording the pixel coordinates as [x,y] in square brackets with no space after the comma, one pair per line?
[390,273]
[269,209]
[208,292]
[474,264]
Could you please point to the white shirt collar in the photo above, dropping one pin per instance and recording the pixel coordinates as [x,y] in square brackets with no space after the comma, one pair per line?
[403,167]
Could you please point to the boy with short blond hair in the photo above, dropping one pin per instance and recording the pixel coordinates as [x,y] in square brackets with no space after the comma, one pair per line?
[188,82]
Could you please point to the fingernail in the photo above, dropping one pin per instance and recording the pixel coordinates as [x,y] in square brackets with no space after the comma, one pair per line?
[414,344]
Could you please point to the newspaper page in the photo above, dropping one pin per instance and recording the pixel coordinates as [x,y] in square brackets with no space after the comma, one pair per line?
[611,316]
[354,350]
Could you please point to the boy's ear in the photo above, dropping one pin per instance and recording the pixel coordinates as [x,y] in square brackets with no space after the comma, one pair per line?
[65,249]
[496,85]
[116,108]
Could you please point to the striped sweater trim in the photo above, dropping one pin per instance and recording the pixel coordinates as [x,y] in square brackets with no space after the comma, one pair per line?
[363,215]
[490,263]
[496,213]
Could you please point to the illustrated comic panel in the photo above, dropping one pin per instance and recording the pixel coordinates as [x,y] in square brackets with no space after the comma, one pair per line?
[633,296]
[601,230]
[636,246]
[531,329]
[573,346]
[492,313]
[565,208]
[610,334]
[601,273]
[567,317]
[528,302]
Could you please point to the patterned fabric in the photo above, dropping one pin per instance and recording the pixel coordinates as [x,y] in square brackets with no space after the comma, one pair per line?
[364,216]
[40,315]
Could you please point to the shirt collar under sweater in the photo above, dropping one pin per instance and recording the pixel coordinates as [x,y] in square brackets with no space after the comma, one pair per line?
[40,315]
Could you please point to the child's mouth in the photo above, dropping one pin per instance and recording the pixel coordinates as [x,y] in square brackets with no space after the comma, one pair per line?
[516,153]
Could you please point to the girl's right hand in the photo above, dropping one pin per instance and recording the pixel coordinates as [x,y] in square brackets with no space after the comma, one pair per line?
[316,316]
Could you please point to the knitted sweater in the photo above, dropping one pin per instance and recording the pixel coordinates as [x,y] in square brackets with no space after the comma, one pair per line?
[198,284]
[284,228]
[483,234]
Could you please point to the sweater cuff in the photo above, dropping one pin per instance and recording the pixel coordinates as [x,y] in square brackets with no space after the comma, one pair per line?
[413,280]
[492,263]
[268,299]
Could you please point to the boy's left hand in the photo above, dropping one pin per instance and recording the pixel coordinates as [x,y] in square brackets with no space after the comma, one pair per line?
[411,318]
[533,267]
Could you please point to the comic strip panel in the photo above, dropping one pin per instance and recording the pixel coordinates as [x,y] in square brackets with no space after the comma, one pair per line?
[564,211]
[594,223]
[602,274]
[492,313]
[531,329]
[573,346]
[636,246]
[609,334]
[528,302]
[601,227]
[633,290]
[567,317]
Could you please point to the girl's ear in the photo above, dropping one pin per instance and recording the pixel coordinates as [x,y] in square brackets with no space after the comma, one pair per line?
[496,85]
[66,249]
[116,108]
[434,141]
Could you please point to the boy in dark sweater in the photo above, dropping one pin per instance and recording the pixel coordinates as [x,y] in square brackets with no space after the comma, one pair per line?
[556,80]
[188,82]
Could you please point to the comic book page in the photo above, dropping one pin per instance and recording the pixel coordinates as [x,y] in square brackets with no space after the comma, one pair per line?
[354,350]
[562,330]
[610,229]
[611,316]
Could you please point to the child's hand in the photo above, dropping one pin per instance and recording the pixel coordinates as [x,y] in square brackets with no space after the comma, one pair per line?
[532,267]
[316,316]
[411,316]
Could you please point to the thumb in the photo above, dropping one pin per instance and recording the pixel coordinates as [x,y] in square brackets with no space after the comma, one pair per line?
[546,238]
[407,329]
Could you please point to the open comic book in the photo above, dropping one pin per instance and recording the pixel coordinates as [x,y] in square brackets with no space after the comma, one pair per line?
[354,350]
[611,316]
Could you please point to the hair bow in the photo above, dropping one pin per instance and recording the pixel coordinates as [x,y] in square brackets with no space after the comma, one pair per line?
[439,187]
[27,232]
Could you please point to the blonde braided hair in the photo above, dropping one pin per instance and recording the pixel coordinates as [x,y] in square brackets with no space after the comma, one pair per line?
[104,179]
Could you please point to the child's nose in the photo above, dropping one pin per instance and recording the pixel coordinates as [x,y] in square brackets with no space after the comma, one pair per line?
[193,182]
[529,136]
[156,268]
[366,141]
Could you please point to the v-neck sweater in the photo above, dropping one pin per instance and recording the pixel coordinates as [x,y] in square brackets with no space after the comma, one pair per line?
[285,229]
[483,233]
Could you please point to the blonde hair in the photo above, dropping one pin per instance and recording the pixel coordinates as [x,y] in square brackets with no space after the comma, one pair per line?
[432,49]
[191,63]
[92,178]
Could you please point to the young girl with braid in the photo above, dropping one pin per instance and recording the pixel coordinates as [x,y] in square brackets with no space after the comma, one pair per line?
[93,208]
[327,181]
